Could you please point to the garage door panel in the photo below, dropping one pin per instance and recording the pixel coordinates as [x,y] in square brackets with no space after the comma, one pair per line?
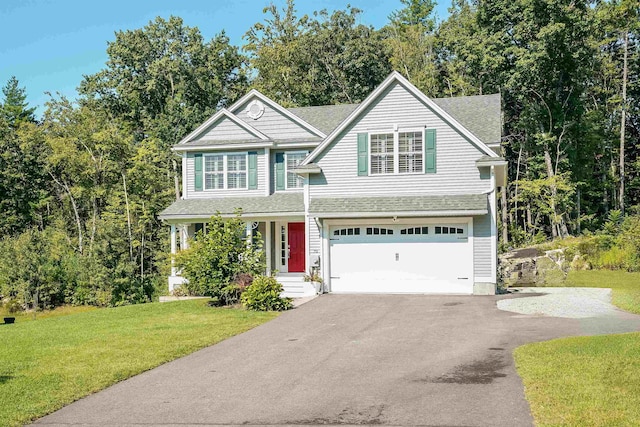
[402,263]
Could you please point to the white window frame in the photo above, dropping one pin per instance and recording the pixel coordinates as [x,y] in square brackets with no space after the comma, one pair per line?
[396,151]
[286,169]
[225,171]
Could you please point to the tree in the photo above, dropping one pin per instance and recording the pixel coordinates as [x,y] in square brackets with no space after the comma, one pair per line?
[15,108]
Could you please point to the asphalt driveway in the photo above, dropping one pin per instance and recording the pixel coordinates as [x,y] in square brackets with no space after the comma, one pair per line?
[348,359]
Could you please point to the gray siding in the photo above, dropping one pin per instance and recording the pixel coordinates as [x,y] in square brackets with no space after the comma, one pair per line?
[273,124]
[314,241]
[482,246]
[260,191]
[455,155]
[226,130]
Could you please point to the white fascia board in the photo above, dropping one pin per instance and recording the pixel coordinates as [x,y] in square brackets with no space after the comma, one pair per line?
[170,219]
[215,117]
[462,213]
[222,147]
[295,144]
[277,107]
[307,171]
[397,77]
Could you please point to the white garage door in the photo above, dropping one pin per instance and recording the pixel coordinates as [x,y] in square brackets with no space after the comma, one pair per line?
[416,258]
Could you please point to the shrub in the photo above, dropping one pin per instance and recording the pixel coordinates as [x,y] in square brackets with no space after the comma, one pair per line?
[214,259]
[264,295]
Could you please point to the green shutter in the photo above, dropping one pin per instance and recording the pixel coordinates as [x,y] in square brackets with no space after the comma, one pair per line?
[197,159]
[253,170]
[430,151]
[280,171]
[363,154]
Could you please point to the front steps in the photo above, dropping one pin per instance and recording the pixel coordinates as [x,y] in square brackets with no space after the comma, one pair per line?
[295,286]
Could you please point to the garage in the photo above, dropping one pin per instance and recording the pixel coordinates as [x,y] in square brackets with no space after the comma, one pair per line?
[417,257]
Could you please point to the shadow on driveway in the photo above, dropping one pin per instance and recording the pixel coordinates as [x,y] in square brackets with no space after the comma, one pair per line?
[348,359]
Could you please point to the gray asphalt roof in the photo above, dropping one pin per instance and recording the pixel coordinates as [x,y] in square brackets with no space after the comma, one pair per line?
[275,203]
[325,117]
[480,114]
[431,203]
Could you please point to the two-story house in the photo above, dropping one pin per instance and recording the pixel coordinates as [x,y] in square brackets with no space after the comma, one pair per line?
[396,194]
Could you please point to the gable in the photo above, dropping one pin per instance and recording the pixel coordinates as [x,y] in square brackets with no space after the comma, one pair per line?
[224,129]
[273,123]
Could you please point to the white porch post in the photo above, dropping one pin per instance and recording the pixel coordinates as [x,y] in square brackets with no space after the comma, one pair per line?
[173,249]
[267,245]
[184,236]
[249,227]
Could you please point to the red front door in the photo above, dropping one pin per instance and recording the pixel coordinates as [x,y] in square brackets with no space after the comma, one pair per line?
[296,247]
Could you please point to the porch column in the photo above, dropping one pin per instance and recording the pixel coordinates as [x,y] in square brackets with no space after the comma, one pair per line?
[249,226]
[173,249]
[267,245]
[184,236]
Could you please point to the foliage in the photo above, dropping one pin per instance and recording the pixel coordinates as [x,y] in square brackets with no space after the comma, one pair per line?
[264,295]
[47,374]
[214,259]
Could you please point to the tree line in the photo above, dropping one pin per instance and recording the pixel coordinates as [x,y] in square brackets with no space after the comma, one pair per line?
[81,187]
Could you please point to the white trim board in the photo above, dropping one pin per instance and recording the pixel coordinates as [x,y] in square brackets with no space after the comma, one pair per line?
[223,112]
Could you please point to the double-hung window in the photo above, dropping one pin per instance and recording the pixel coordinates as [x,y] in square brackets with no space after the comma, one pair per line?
[396,153]
[293,179]
[410,152]
[225,171]
[382,153]
[236,171]
[214,172]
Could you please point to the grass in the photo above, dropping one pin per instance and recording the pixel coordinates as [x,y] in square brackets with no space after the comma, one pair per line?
[587,381]
[51,362]
[65,310]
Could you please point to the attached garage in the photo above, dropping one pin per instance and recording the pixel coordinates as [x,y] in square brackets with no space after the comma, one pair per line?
[429,256]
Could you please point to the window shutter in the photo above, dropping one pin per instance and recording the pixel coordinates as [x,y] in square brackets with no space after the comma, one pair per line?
[363,154]
[197,160]
[430,150]
[279,171]
[253,170]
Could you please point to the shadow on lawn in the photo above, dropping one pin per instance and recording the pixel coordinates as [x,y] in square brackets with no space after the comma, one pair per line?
[5,378]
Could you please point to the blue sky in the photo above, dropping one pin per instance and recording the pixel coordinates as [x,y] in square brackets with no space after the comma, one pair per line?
[50,44]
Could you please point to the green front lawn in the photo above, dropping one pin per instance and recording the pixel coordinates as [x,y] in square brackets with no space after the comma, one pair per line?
[48,363]
[587,381]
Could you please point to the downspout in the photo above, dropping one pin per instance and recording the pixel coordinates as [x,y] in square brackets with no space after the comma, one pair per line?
[323,261]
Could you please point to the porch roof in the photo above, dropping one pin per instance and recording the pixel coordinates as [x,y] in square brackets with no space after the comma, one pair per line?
[431,205]
[278,203]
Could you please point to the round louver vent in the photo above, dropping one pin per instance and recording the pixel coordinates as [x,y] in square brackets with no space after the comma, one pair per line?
[255,109]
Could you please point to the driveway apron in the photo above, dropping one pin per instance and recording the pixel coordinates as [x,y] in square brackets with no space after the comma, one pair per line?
[348,359]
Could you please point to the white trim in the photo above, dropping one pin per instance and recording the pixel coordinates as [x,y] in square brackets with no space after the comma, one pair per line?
[185,186]
[494,227]
[284,145]
[225,171]
[174,249]
[397,77]
[396,150]
[224,147]
[274,105]
[484,279]
[307,225]
[399,221]
[223,112]
[399,214]
[267,245]
[267,171]
[473,249]
[325,260]
[280,227]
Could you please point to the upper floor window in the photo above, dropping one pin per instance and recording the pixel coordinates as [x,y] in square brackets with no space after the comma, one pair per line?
[410,152]
[398,152]
[293,179]
[225,171]
[382,158]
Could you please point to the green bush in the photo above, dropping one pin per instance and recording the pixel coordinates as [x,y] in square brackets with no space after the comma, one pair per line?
[216,258]
[264,295]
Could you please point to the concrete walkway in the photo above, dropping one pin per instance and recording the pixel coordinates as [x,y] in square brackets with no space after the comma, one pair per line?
[347,359]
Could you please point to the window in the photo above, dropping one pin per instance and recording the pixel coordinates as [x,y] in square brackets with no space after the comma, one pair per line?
[375,231]
[225,171]
[397,152]
[214,172]
[236,171]
[449,230]
[409,152]
[347,232]
[382,158]
[293,179]
[415,230]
